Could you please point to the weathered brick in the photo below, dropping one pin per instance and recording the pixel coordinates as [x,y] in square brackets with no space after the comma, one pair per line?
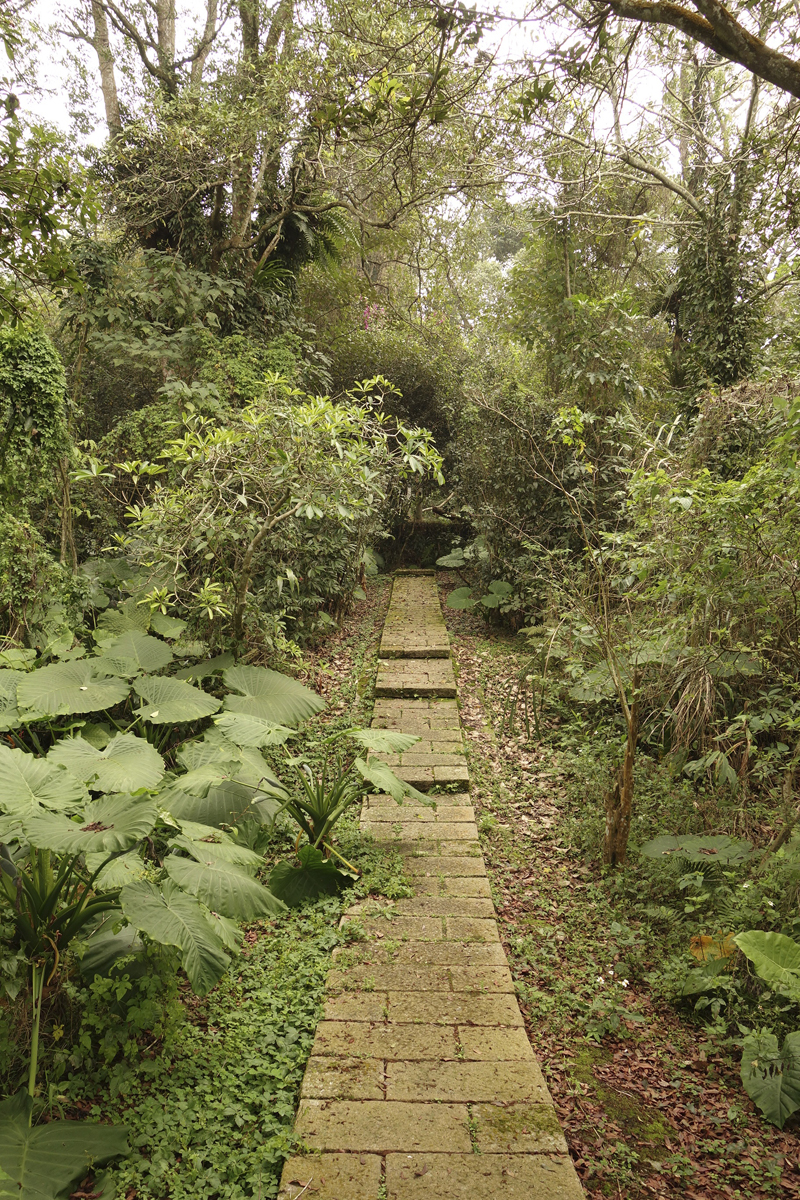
[356,1006]
[461,954]
[481,979]
[382,1126]
[450,1008]
[332,1177]
[515,1124]
[421,1020]
[440,885]
[380,976]
[481,1177]
[487,1044]
[450,867]
[446,906]
[357,1039]
[493,1083]
[470,929]
[343,1079]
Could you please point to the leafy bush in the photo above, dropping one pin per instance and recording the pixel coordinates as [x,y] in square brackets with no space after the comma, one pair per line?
[272,511]
[41,601]
[32,416]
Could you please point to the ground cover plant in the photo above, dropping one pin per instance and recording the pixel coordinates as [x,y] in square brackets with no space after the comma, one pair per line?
[644,1061]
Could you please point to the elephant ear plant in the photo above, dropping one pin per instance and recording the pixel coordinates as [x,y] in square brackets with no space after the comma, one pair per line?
[101,845]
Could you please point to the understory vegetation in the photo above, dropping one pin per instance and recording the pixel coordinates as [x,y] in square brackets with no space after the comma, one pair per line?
[290,297]
[630,982]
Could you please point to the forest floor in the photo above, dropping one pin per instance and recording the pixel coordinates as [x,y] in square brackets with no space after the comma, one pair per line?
[650,1104]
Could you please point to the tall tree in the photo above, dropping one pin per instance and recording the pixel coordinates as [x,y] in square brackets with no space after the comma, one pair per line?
[242,147]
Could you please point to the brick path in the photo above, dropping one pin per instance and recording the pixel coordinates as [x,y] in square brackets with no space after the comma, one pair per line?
[422,1084]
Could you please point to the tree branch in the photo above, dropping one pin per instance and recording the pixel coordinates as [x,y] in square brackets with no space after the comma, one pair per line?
[714,26]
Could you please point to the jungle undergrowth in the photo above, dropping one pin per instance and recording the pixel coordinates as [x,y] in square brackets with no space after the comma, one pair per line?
[208,1087]
[647,1091]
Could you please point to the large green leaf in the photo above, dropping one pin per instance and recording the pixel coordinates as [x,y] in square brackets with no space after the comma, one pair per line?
[171,701]
[217,845]
[17,659]
[108,824]
[171,918]
[453,560]
[134,653]
[771,1077]
[208,667]
[27,782]
[383,779]
[112,571]
[223,887]
[9,713]
[383,741]
[125,868]
[126,764]
[269,695]
[461,598]
[244,764]
[247,730]
[103,947]
[776,959]
[69,687]
[215,750]
[43,1162]
[129,616]
[698,848]
[705,978]
[222,804]
[316,876]
[166,626]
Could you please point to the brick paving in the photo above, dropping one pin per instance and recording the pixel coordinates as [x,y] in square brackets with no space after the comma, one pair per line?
[422,1084]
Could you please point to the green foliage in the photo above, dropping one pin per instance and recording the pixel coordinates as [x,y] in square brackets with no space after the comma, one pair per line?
[325,795]
[238,364]
[316,876]
[210,1108]
[297,486]
[776,959]
[32,415]
[44,200]
[268,696]
[771,1077]
[498,595]
[40,1162]
[718,298]
[696,848]
[65,846]
[39,598]
[125,765]
[421,363]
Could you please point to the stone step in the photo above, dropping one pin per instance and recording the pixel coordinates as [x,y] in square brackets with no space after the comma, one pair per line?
[401,677]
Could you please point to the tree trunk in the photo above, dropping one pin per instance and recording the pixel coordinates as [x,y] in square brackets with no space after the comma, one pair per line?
[165,20]
[105,58]
[68,551]
[619,798]
[199,63]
